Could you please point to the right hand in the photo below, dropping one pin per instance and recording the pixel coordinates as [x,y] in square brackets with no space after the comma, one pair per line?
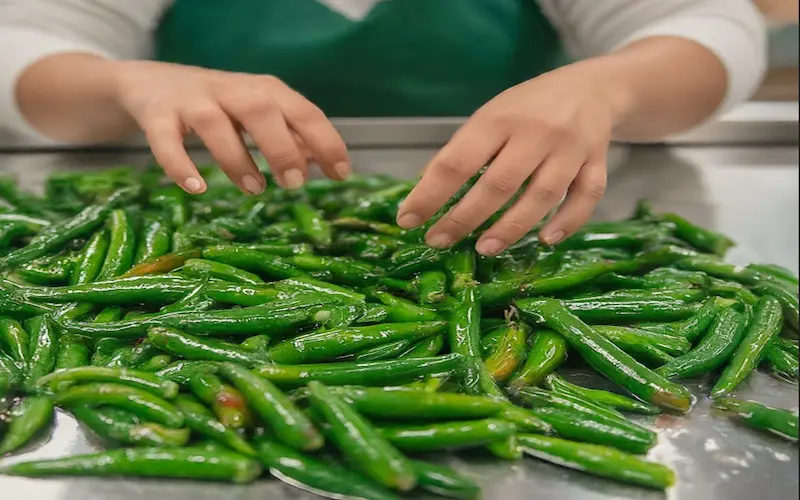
[170,100]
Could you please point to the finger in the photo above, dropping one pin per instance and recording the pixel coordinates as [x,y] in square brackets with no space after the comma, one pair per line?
[209,122]
[262,118]
[317,132]
[165,136]
[469,150]
[547,187]
[583,196]
[496,186]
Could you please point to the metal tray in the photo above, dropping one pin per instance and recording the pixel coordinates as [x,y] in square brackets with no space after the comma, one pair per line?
[716,187]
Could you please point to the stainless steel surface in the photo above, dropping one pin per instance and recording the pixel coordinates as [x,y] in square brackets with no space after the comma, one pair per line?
[750,123]
[717,187]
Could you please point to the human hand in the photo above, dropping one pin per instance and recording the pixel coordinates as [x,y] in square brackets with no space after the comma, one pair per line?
[554,129]
[170,100]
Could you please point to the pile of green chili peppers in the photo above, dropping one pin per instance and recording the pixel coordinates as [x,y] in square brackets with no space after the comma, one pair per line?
[302,333]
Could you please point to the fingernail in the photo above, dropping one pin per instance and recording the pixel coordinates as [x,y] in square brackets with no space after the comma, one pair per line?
[490,247]
[342,169]
[293,179]
[193,185]
[408,221]
[440,240]
[554,238]
[252,185]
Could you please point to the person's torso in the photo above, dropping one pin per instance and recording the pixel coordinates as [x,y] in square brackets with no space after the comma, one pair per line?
[401,58]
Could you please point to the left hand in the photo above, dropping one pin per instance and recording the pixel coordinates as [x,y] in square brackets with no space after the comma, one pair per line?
[554,129]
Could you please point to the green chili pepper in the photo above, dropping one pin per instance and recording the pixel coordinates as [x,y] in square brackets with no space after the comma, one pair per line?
[199,268]
[318,476]
[121,248]
[610,360]
[360,442]
[611,399]
[548,351]
[368,225]
[28,417]
[50,271]
[140,402]
[461,269]
[463,332]
[125,376]
[43,349]
[226,402]
[55,236]
[764,326]
[312,224]
[509,351]
[400,403]
[782,363]
[643,345]
[10,378]
[784,423]
[290,425]
[319,346]
[332,292]
[163,264]
[448,435]
[384,351]
[155,240]
[432,287]
[444,482]
[172,200]
[178,463]
[598,460]
[402,310]
[788,300]
[715,349]
[730,272]
[180,344]
[702,239]
[372,373]
[15,340]
[120,427]
[777,271]
[587,428]
[415,258]
[343,269]
[200,420]
[424,348]
[156,363]
[273,266]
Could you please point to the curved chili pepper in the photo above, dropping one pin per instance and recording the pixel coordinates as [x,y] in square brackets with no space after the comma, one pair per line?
[784,423]
[142,403]
[28,417]
[155,240]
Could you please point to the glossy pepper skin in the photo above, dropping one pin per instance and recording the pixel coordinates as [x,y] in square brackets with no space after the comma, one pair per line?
[360,442]
[56,235]
[713,351]
[155,239]
[88,374]
[140,402]
[329,344]
[598,460]
[290,425]
[178,343]
[609,359]
[118,427]
[201,420]
[764,326]
[448,435]
[43,348]
[179,463]
[200,268]
[548,351]
[29,417]
[369,373]
[509,351]
[312,224]
[227,403]
[121,247]
[610,399]
[14,339]
[253,261]
[296,468]
[783,423]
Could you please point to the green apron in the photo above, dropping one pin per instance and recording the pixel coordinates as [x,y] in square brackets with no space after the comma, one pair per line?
[405,58]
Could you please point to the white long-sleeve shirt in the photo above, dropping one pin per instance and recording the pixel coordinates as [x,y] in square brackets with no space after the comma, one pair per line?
[122,29]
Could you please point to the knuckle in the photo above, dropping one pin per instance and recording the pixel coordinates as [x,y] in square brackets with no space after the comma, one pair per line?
[448,167]
[501,185]
[282,160]
[307,114]
[253,105]
[204,117]
[545,195]
[595,190]
[459,222]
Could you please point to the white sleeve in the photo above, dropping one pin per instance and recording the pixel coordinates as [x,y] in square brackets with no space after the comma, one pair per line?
[731,29]
[33,29]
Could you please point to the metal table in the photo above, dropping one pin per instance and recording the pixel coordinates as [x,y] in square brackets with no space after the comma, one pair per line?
[748,192]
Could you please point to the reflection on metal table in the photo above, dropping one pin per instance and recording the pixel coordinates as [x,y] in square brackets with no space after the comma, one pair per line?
[749,193]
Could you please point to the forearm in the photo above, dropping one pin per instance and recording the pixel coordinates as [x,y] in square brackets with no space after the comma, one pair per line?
[70,97]
[661,86]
